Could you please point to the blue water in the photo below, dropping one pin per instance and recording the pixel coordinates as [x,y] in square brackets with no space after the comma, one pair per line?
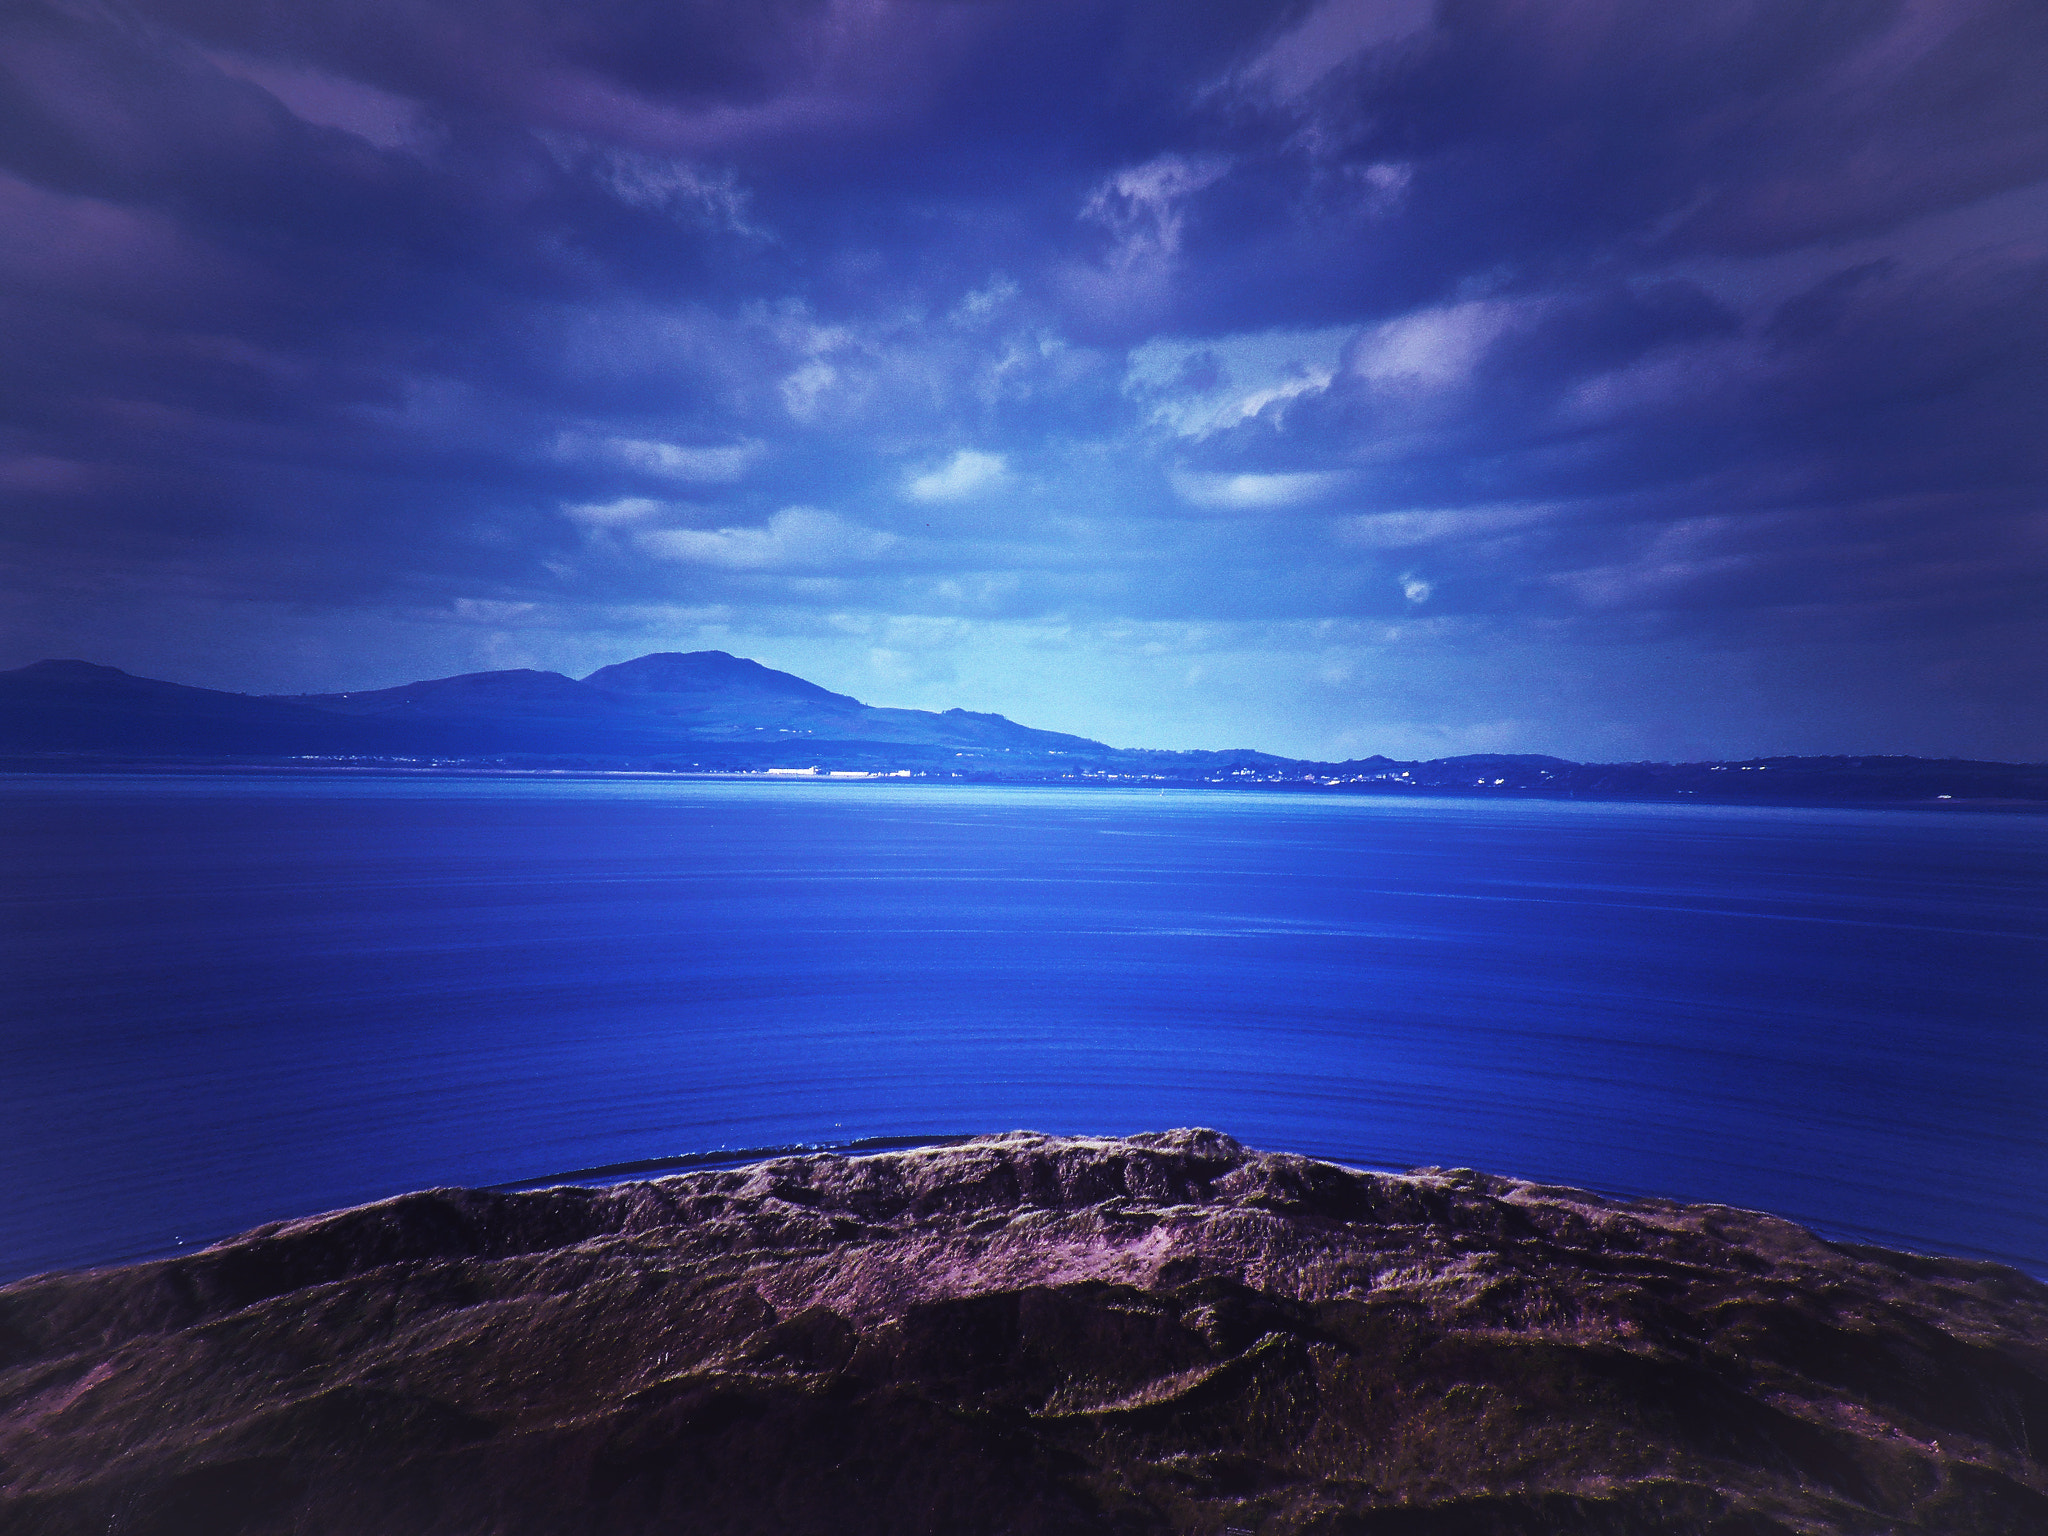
[236,999]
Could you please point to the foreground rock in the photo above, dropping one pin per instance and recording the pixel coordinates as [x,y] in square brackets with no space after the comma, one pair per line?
[1026,1334]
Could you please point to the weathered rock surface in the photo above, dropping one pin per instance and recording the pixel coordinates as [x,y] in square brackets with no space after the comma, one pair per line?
[1026,1334]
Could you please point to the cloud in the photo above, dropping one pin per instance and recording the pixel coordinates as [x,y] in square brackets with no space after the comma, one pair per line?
[1719,327]
[985,302]
[1433,348]
[1333,33]
[1255,493]
[968,473]
[1142,210]
[681,189]
[1144,206]
[380,117]
[691,464]
[615,514]
[794,538]
[487,611]
[1417,528]
[1196,388]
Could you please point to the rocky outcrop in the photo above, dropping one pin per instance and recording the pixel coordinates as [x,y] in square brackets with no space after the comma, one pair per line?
[1026,1334]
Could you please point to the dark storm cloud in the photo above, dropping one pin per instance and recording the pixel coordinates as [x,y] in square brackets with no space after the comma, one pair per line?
[1381,323]
[1521,139]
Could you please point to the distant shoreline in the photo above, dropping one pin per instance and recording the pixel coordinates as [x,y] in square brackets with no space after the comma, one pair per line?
[707,714]
[56,766]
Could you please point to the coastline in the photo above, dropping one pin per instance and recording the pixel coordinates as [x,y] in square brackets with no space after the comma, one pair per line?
[59,766]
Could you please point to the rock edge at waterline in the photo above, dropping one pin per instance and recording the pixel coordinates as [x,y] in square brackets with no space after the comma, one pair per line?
[1028,1334]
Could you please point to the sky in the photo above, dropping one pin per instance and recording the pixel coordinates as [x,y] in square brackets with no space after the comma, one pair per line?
[1610,378]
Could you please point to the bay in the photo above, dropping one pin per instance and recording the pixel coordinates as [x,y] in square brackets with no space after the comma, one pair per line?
[237,998]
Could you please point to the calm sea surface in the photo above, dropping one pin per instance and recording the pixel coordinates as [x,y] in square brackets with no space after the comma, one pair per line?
[230,1000]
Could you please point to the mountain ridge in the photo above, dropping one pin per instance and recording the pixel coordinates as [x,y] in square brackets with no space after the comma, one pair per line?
[670,698]
[710,711]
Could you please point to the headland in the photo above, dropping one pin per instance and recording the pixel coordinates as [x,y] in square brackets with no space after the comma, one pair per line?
[1029,1334]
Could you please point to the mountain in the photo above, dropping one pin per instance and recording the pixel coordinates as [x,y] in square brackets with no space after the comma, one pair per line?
[720,709]
[710,710]
[77,707]
[676,700]
[720,697]
[709,672]
[521,692]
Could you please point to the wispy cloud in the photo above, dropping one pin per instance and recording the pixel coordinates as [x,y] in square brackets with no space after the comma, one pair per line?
[799,538]
[621,513]
[1332,34]
[680,188]
[687,463]
[1256,493]
[380,117]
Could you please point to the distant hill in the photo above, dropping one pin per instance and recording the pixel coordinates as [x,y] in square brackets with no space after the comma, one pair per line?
[670,673]
[77,707]
[673,700]
[706,705]
[708,710]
